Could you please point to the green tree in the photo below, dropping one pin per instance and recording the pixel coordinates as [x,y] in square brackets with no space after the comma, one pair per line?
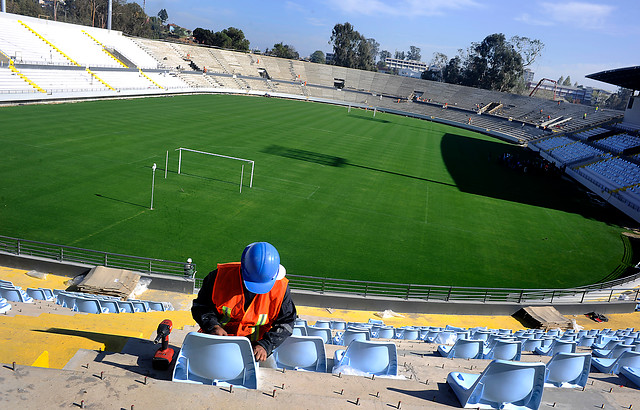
[561,80]
[529,49]
[567,81]
[493,64]
[453,71]
[317,57]
[163,15]
[374,46]
[350,48]
[284,51]
[414,53]
[231,38]
[619,100]
[400,55]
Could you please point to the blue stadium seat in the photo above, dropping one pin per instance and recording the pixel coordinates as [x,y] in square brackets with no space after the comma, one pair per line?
[502,382]
[338,325]
[301,353]
[530,345]
[504,350]
[13,294]
[377,358]
[325,324]
[88,305]
[631,373]
[350,335]
[616,351]
[324,333]
[630,359]
[386,333]
[216,360]
[36,294]
[556,347]
[568,370]
[111,306]
[463,349]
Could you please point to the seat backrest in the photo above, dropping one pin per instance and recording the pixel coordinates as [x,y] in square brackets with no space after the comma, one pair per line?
[300,322]
[87,305]
[530,345]
[378,358]
[411,334]
[139,306]
[619,349]
[386,333]
[111,306]
[209,358]
[37,294]
[629,359]
[323,324]
[338,325]
[156,306]
[11,294]
[325,334]
[561,346]
[467,349]
[518,383]
[125,306]
[350,335]
[569,369]
[506,350]
[68,300]
[301,352]
[299,330]
[587,341]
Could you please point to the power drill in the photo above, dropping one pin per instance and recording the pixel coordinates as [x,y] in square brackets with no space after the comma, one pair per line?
[163,357]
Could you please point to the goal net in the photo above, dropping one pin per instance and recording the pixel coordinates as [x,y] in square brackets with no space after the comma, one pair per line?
[243,162]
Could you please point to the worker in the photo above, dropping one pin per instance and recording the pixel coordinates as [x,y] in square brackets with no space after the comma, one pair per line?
[248,298]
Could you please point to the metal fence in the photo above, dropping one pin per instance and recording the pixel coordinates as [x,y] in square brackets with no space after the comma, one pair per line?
[64,253]
[600,292]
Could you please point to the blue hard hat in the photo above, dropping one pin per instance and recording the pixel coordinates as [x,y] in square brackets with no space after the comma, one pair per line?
[260,264]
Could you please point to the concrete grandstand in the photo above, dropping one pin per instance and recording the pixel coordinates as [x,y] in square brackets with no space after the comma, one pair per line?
[84,360]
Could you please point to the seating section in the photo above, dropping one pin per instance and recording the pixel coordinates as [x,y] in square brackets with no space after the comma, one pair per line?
[619,142]
[590,133]
[576,151]
[613,173]
[89,303]
[553,142]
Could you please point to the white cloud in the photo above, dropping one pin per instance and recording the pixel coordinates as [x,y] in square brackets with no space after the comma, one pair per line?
[578,14]
[406,8]
[534,21]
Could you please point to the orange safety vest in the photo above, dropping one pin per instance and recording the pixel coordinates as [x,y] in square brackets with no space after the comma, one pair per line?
[228,296]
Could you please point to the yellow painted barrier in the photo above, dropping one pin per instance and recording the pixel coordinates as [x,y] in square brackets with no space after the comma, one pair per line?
[149,78]
[49,43]
[25,78]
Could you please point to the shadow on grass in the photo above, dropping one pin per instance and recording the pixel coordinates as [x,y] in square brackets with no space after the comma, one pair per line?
[121,201]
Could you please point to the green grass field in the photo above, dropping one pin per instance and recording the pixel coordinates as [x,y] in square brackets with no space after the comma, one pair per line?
[342,195]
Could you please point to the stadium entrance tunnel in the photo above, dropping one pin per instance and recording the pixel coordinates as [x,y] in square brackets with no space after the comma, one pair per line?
[516,174]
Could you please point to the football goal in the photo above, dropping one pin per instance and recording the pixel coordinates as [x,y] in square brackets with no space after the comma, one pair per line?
[242,160]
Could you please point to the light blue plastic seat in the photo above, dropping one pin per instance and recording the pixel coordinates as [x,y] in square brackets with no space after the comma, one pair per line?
[411,334]
[504,332]
[350,335]
[631,373]
[300,322]
[324,333]
[376,322]
[605,342]
[88,305]
[325,324]
[454,328]
[68,300]
[301,353]
[554,332]
[386,333]
[15,295]
[502,382]
[299,330]
[481,335]
[36,294]
[568,370]
[530,345]
[556,347]
[616,351]
[338,325]
[445,337]
[126,307]
[587,341]
[48,294]
[139,306]
[463,349]
[4,305]
[156,306]
[630,359]
[377,358]
[505,350]
[216,360]
[6,282]
[399,333]
[111,306]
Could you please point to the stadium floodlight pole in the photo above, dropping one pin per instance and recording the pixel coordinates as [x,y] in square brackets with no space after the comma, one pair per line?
[241,176]
[153,180]
[109,13]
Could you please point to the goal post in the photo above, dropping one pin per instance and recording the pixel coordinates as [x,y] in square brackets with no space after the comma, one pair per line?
[180,150]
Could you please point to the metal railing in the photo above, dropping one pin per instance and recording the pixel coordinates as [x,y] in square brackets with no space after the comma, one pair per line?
[64,253]
[600,292]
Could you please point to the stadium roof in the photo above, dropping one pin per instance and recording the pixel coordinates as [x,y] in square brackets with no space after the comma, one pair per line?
[628,77]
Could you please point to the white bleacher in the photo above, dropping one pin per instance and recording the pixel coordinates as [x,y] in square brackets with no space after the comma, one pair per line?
[57,80]
[168,80]
[71,41]
[125,80]
[619,142]
[125,46]
[23,46]
[11,83]
[163,53]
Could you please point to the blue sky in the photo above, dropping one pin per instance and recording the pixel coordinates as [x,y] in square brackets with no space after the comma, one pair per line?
[580,37]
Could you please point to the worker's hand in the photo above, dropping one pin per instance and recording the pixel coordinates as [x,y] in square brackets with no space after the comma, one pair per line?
[219,331]
[259,353]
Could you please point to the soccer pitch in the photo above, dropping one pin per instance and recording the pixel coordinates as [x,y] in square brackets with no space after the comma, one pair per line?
[339,194]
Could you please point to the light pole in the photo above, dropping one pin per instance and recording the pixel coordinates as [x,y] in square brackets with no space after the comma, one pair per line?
[153,181]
